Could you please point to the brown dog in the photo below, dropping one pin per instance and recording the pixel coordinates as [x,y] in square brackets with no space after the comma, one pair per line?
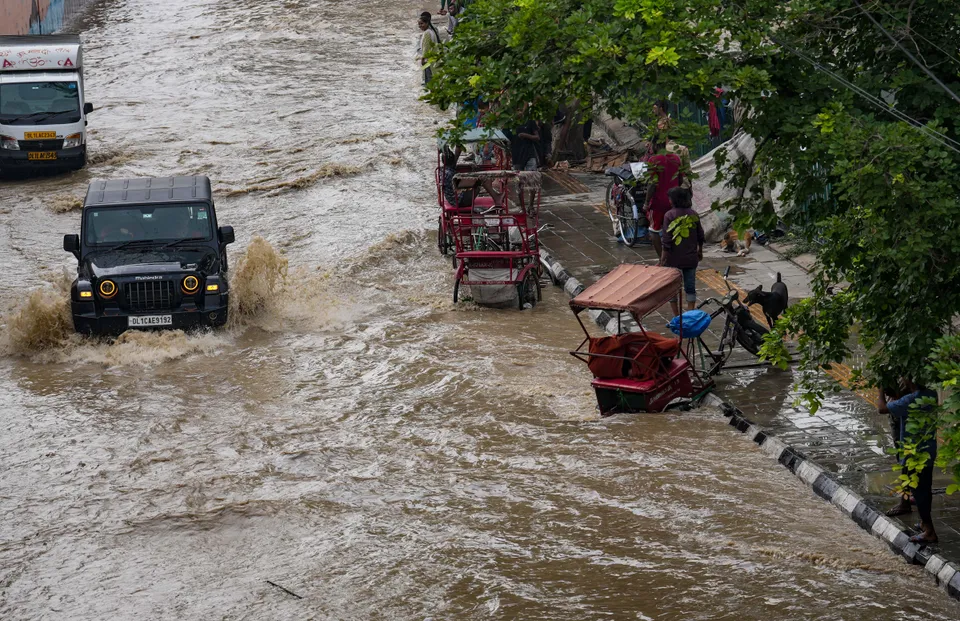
[731,243]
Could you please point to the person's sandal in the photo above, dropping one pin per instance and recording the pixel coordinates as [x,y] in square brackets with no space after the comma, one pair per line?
[922,539]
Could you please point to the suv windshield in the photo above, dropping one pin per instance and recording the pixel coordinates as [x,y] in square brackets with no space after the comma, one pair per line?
[39,103]
[161,224]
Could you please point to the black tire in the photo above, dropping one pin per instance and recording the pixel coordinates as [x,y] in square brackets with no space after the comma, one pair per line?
[750,336]
[441,237]
[528,291]
[456,291]
[608,196]
[629,226]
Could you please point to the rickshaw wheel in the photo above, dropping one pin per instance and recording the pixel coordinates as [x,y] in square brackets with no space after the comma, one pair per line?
[456,291]
[441,237]
[528,291]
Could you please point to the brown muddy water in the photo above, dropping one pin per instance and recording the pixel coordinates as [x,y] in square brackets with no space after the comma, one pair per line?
[353,436]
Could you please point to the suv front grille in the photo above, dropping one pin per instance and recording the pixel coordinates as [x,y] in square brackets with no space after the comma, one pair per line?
[151,295]
[41,145]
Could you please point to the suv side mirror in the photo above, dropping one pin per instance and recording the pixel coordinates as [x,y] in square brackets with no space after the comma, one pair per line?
[87,108]
[226,235]
[71,243]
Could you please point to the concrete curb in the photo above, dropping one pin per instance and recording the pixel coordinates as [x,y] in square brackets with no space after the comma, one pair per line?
[852,505]
[573,287]
[945,572]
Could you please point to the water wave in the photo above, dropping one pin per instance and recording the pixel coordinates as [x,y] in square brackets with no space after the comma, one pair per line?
[326,171]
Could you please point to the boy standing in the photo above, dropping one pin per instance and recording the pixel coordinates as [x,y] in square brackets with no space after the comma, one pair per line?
[683,243]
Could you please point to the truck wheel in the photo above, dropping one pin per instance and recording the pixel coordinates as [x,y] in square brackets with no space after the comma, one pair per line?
[79,165]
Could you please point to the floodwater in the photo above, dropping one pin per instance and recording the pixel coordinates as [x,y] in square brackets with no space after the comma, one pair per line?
[354,437]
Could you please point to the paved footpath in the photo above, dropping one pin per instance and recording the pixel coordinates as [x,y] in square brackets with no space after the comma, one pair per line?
[847,439]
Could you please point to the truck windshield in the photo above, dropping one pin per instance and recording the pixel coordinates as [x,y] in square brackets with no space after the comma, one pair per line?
[108,226]
[39,103]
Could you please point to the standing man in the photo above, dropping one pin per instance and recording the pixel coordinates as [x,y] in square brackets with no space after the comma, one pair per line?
[523,146]
[429,41]
[685,167]
[664,176]
[899,411]
[523,151]
[452,20]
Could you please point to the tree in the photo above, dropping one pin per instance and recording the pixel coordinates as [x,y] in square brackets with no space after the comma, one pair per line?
[860,137]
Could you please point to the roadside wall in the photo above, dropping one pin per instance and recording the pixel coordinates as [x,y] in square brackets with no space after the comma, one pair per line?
[19,17]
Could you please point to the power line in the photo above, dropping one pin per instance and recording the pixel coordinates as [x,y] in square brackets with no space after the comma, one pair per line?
[907,52]
[947,54]
[934,135]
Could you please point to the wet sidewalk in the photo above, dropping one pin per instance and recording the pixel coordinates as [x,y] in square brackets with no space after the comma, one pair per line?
[847,437]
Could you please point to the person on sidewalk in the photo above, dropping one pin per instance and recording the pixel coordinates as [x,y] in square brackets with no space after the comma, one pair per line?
[899,410]
[683,153]
[443,6]
[665,174]
[523,151]
[429,41]
[683,243]
[452,20]
[457,199]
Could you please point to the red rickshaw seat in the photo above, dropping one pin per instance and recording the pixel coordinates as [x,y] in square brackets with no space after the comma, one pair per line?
[481,202]
[629,384]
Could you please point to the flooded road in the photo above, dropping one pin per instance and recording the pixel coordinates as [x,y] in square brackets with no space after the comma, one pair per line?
[354,437]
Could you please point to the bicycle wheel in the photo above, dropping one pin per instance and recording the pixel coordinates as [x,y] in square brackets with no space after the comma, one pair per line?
[750,336]
[629,226]
[609,199]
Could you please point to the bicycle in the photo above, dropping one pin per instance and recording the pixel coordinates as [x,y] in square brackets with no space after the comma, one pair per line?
[739,327]
[624,199]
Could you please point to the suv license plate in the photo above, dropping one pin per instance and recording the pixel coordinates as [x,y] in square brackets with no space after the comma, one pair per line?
[149,321]
[42,155]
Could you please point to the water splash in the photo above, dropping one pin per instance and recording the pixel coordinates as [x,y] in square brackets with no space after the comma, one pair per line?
[65,203]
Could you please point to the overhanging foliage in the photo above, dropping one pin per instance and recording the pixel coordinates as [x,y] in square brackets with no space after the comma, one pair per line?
[864,142]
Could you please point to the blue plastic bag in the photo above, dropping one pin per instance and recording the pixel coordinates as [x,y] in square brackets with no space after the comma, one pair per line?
[695,323]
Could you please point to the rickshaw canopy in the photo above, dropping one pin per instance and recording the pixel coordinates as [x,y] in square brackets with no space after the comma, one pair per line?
[639,289]
[478,134]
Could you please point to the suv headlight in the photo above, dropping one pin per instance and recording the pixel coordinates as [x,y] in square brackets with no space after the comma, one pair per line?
[9,142]
[73,141]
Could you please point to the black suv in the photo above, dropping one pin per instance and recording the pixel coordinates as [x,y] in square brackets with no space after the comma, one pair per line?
[150,256]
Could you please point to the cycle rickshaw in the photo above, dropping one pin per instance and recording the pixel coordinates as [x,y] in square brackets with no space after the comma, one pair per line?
[640,371]
[497,248]
[487,150]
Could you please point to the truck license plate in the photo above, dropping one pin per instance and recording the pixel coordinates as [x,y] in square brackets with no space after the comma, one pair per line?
[42,155]
[39,135]
[149,321]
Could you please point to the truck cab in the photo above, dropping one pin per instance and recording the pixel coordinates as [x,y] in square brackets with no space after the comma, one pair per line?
[149,255]
[43,111]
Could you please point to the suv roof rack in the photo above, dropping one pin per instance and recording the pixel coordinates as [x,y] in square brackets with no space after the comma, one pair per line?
[148,191]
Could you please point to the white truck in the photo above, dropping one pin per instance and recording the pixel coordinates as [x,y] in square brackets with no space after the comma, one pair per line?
[43,115]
